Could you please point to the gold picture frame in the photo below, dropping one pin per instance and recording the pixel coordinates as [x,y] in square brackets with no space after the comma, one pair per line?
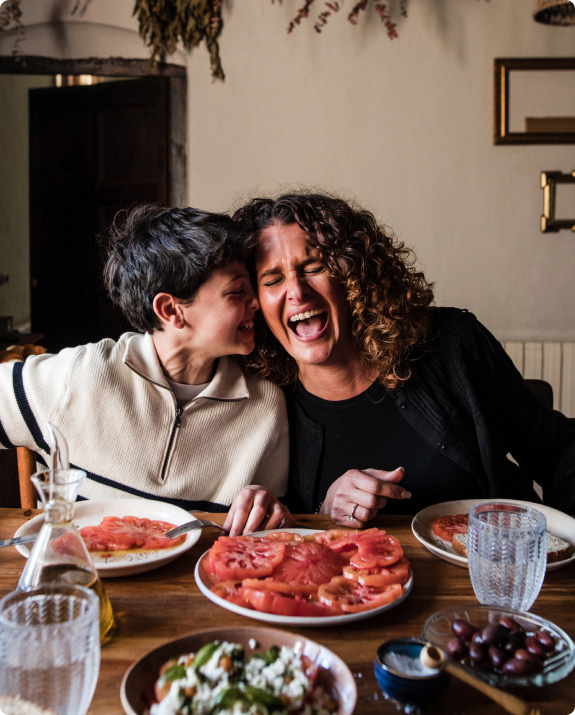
[539,130]
[549,222]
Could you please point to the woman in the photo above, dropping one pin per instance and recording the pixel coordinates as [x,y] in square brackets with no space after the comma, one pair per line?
[165,413]
[376,378]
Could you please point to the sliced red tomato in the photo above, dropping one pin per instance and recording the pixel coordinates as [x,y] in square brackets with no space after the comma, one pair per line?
[307,563]
[374,548]
[128,532]
[400,571]
[331,535]
[379,576]
[351,597]
[310,669]
[303,567]
[446,526]
[294,589]
[266,601]
[228,590]
[283,536]
[233,558]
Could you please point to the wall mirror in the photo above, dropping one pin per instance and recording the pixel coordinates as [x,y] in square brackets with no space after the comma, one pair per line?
[557,203]
[534,100]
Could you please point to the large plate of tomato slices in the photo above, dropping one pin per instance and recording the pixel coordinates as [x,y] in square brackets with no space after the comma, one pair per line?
[125,562]
[558,523]
[273,576]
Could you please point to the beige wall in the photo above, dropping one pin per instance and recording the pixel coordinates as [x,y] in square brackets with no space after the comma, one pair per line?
[404,126]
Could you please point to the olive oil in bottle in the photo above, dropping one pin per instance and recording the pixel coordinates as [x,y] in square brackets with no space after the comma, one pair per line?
[59,554]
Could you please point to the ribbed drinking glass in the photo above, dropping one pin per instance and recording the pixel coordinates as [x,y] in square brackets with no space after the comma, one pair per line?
[50,646]
[507,554]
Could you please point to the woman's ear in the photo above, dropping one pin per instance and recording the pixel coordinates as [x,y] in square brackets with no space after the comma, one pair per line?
[168,310]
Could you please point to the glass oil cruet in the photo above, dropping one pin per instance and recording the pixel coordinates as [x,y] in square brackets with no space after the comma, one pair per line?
[59,554]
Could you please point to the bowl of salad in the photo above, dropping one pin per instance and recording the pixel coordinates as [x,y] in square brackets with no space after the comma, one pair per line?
[239,670]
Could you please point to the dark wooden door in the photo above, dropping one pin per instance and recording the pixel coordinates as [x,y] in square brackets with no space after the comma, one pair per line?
[93,151]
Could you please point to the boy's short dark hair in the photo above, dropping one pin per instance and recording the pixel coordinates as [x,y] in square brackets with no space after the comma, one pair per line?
[151,249]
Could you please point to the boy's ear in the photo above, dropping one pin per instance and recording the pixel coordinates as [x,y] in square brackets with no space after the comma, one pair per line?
[168,310]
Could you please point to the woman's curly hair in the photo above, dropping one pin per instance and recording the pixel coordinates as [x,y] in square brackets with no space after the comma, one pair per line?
[388,298]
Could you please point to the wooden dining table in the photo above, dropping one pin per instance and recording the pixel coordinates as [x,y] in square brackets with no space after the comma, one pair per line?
[163,604]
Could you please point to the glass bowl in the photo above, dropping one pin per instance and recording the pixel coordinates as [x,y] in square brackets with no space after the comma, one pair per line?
[401,676]
[437,630]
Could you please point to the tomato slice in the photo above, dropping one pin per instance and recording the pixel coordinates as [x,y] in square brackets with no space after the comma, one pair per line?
[228,590]
[379,576]
[270,583]
[331,535]
[266,601]
[283,536]
[116,533]
[374,548]
[233,558]
[307,563]
[351,597]
[446,526]
[303,567]
[400,571]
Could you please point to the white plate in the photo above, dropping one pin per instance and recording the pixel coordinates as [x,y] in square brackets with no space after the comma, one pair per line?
[91,513]
[309,622]
[558,523]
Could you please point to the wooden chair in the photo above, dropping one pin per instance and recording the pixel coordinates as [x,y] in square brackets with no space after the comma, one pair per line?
[26,457]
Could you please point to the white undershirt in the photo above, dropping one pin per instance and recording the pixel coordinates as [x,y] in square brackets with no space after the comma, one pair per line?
[184,393]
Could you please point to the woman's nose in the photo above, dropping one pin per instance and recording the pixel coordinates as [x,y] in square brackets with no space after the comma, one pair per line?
[296,288]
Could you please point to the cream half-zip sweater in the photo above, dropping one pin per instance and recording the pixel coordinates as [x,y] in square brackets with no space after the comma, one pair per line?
[122,424]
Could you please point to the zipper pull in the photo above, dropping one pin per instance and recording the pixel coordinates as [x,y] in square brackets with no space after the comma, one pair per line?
[178,421]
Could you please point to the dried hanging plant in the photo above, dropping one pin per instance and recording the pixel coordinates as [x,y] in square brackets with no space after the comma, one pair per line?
[333,6]
[163,23]
[11,22]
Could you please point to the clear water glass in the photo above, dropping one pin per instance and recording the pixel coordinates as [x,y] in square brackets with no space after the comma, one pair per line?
[50,646]
[507,554]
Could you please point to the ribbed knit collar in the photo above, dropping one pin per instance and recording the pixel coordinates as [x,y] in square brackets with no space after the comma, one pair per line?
[228,383]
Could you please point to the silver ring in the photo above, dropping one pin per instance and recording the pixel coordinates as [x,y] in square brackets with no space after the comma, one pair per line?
[351,517]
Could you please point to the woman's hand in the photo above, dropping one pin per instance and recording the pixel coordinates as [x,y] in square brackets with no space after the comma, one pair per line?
[357,496]
[256,508]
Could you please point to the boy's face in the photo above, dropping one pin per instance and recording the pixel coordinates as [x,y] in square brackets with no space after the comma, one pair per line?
[220,319]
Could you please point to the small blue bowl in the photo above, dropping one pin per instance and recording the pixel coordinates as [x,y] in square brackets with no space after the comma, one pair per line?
[401,676]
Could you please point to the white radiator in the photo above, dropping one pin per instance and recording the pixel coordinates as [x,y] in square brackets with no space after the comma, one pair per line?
[552,362]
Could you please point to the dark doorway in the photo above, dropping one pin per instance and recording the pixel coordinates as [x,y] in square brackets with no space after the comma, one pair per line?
[93,151]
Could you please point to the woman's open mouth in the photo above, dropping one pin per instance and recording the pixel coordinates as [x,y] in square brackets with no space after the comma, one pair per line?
[308,324]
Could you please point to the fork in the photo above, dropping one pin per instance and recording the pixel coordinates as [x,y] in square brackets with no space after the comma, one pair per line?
[192,526]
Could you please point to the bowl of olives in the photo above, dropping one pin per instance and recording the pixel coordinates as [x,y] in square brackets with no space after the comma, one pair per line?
[502,646]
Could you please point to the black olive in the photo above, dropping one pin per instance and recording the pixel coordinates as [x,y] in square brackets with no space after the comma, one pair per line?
[477,653]
[535,647]
[517,667]
[546,640]
[497,656]
[463,629]
[494,634]
[512,624]
[456,648]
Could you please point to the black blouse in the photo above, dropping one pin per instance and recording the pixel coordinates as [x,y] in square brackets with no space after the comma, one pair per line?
[465,400]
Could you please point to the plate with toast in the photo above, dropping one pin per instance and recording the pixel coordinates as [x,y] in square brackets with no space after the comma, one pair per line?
[442,529]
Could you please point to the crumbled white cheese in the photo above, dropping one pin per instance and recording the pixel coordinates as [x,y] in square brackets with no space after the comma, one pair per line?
[284,678]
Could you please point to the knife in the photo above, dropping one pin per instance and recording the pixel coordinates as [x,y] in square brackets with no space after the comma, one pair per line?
[19,540]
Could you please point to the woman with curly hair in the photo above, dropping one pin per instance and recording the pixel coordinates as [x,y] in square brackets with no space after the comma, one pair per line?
[375,377]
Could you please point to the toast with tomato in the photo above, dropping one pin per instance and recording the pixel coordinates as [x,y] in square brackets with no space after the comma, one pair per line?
[557,548]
